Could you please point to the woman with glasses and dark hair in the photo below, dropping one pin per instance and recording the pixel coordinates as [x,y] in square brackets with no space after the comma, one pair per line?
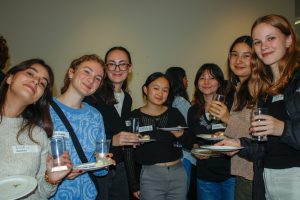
[114,103]
[214,180]
[25,124]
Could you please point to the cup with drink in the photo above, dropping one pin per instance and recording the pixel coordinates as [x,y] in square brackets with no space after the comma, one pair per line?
[220,98]
[255,112]
[102,149]
[58,147]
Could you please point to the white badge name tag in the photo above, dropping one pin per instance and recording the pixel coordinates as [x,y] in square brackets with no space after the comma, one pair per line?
[25,149]
[64,134]
[278,97]
[127,123]
[145,128]
[218,126]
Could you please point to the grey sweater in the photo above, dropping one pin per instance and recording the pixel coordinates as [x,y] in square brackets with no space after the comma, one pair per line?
[31,162]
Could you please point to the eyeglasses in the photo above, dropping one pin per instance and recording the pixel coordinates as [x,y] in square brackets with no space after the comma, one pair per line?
[121,66]
[236,55]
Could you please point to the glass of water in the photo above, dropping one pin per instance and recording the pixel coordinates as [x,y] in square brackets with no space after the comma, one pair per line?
[255,112]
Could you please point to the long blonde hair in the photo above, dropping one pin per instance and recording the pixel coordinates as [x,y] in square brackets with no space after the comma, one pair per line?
[261,78]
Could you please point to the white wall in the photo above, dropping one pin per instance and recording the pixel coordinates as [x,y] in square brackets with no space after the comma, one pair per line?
[158,33]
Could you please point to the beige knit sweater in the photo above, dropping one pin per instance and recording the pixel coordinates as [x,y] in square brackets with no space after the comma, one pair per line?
[30,163]
[238,126]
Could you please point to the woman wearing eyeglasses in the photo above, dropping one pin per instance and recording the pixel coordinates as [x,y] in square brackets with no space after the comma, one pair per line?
[114,103]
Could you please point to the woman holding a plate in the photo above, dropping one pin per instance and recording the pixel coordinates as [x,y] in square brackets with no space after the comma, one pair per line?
[82,79]
[25,125]
[275,83]
[238,118]
[162,175]
[213,173]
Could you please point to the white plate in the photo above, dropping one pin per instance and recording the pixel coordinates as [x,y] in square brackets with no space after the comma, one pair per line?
[173,128]
[92,166]
[146,140]
[220,148]
[206,152]
[15,187]
[209,138]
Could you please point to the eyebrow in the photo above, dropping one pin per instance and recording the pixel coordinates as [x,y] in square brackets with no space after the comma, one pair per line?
[118,61]
[37,72]
[87,67]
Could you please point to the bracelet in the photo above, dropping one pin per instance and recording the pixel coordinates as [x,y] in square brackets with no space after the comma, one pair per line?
[47,179]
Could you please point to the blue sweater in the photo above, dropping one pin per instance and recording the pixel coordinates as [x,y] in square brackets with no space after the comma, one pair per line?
[88,126]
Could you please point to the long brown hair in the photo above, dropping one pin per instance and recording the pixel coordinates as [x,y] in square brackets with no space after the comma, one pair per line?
[243,95]
[261,79]
[36,114]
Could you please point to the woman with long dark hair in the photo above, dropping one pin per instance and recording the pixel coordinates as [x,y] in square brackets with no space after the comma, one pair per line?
[214,180]
[25,124]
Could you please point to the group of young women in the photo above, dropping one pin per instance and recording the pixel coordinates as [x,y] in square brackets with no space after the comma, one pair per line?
[262,71]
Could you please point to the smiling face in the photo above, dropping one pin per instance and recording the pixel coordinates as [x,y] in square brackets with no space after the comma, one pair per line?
[118,74]
[240,60]
[86,78]
[270,44]
[157,91]
[208,84]
[28,85]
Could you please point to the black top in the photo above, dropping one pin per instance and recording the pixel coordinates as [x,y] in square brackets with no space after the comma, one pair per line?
[278,154]
[113,122]
[215,169]
[162,149]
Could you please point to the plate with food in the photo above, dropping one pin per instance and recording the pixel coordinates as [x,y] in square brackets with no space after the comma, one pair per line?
[212,137]
[206,152]
[145,138]
[15,187]
[221,148]
[93,165]
[178,128]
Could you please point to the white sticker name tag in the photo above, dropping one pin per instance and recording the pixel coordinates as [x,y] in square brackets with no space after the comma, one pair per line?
[25,149]
[145,128]
[128,123]
[218,126]
[64,134]
[278,97]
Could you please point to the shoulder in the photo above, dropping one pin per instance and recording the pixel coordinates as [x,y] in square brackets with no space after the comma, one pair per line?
[180,100]
[92,110]
[40,135]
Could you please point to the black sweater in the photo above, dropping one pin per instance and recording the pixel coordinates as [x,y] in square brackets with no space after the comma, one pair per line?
[213,169]
[113,122]
[162,149]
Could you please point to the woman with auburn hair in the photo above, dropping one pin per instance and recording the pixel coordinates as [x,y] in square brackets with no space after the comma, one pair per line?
[275,84]
[82,79]
[25,126]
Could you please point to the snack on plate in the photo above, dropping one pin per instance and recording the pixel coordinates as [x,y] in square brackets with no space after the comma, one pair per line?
[217,134]
[146,137]
[102,162]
